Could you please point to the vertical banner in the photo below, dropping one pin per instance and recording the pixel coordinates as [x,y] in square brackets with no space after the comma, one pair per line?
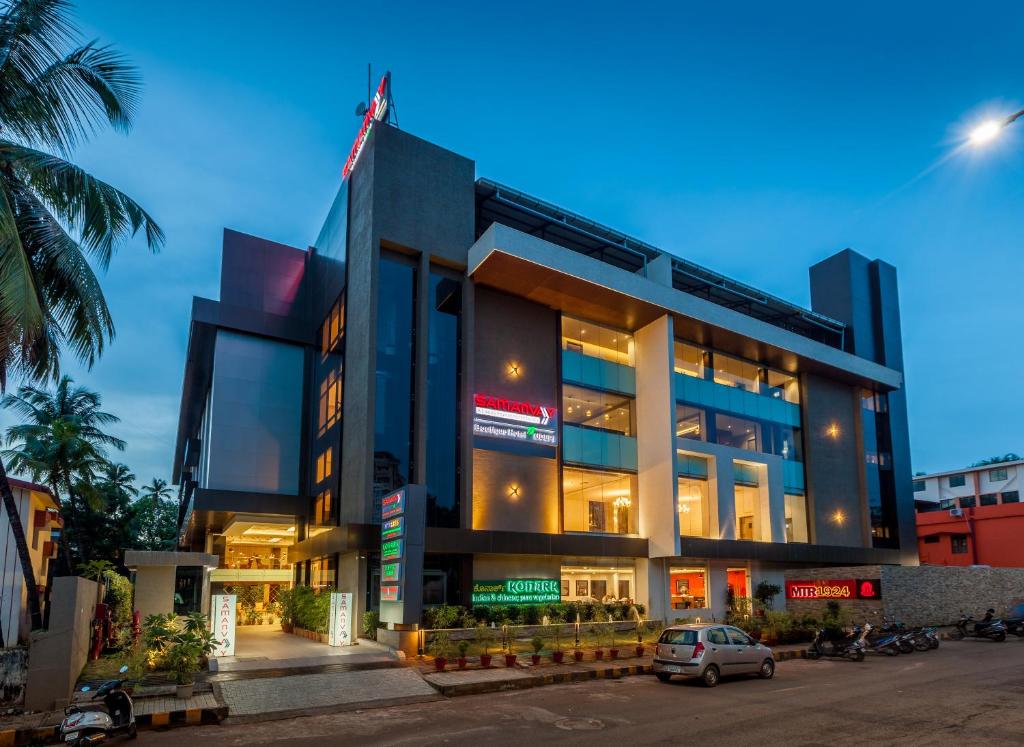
[222,623]
[402,531]
[340,631]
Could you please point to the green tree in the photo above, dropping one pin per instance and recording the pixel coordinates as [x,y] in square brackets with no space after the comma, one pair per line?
[54,94]
[1010,457]
[155,522]
[61,443]
[105,520]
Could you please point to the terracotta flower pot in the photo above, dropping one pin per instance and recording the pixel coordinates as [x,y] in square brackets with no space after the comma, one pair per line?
[439,663]
[510,660]
[535,659]
[599,655]
[614,653]
[639,650]
[557,656]
[577,655]
[485,660]
[462,662]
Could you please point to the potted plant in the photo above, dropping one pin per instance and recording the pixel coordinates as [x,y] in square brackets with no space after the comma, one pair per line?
[639,637]
[463,648]
[538,644]
[612,651]
[577,654]
[506,645]
[556,640]
[439,647]
[183,661]
[485,637]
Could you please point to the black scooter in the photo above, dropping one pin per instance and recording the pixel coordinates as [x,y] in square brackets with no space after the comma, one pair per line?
[828,644]
[993,629]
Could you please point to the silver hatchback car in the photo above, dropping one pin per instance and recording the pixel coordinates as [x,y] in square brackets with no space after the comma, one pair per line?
[710,651]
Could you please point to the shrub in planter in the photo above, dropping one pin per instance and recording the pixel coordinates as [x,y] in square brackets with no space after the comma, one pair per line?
[439,648]
[538,644]
[371,621]
[577,655]
[557,656]
[485,638]
[599,655]
[463,647]
[510,660]
[613,653]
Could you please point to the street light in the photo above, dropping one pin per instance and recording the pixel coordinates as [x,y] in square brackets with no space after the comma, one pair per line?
[989,130]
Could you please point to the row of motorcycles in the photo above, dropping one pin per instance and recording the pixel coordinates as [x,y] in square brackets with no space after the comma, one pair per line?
[891,638]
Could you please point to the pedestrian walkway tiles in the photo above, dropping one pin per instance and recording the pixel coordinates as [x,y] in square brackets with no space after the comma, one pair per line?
[252,697]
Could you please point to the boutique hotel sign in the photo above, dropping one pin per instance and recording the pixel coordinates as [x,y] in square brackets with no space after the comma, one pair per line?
[514,420]
[847,588]
[517,591]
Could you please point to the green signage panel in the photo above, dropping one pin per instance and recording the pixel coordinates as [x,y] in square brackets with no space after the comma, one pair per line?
[517,591]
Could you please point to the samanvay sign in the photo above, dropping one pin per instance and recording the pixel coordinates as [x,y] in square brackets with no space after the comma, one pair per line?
[514,420]
[845,588]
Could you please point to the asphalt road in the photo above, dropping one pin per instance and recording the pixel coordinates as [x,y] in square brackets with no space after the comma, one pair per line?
[969,692]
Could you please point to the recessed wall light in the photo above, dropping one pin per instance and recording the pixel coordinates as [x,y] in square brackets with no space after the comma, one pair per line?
[513,492]
[833,430]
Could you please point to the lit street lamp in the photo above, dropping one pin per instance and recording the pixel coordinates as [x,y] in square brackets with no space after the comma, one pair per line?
[989,130]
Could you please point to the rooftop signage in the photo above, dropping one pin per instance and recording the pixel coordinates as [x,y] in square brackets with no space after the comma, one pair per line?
[514,420]
[847,588]
[517,591]
[377,111]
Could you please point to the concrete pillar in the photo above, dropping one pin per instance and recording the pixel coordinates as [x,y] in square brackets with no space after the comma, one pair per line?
[652,587]
[718,584]
[655,424]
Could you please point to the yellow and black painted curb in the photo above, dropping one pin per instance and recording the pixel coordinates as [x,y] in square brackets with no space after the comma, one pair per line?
[158,720]
[539,680]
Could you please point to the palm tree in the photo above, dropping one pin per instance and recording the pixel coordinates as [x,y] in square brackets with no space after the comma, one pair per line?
[119,478]
[54,94]
[61,444]
[153,494]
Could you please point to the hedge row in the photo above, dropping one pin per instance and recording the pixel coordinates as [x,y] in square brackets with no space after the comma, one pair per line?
[447,616]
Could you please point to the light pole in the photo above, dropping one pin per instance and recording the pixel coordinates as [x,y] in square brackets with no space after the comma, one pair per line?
[989,130]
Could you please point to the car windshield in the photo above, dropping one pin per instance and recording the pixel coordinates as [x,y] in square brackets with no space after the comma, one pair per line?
[679,637]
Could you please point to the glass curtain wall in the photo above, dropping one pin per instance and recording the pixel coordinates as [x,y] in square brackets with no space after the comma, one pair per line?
[329,372]
[881,484]
[395,373]
[599,501]
[597,410]
[597,341]
[694,512]
[445,321]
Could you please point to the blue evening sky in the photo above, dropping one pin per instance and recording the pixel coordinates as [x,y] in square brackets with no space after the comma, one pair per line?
[755,140]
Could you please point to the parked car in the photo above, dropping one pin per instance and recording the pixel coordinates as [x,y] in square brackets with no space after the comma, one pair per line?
[710,651]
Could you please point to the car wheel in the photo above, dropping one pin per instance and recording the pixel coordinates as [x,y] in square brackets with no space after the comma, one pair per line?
[711,676]
[133,732]
[999,637]
[767,670]
[663,676]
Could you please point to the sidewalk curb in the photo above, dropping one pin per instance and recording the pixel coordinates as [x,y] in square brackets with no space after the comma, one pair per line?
[539,680]
[144,722]
[365,705]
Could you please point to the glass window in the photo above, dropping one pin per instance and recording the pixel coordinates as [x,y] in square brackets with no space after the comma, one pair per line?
[322,508]
[957,481]
[947,503]
[395,370]
[958,544]
[597,341]
[603,411]
[333,328]
[738,637]
[693,507]
[796,518]
[321,572]
[932,539]
[188,589]
[690,360]
[785,442]
[690,423]
[733,372]
[919,486]
[998,474]
[750,523]
[739,433]
[679,637]
[1011,496]
[783,386]
[967,501]
[330,400]
[688,588]
[988,499]
[596,501]
[717,636]
[445,318]
[325,464]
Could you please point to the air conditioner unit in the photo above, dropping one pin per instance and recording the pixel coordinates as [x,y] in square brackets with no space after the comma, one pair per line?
[956,512]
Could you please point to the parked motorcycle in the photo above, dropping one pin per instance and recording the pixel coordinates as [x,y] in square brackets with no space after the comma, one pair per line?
[910,639]
[92,723]
[837,646]
[1015,625]
[884,643]
[992,628]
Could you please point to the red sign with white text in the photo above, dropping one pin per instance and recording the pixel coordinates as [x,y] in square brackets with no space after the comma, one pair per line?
[378,108]
[514,420]
[825,589]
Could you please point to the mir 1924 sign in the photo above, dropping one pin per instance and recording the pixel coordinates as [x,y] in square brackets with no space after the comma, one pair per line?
[517,591]
[845,588]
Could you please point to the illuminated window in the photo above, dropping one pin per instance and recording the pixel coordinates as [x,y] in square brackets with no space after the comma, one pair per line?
[330,400]
[690,360]
[597,341]
[324,464]
[333,328]
[688,588]
[739,433]
[750,502]
[733,372]
[596,583]
[598,501]
[322,508]
[321,572]
[690,423]
[596,410]
[693,507]
[796,518]
[783,386]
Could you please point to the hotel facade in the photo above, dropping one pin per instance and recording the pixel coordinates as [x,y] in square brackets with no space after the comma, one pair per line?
[580,407]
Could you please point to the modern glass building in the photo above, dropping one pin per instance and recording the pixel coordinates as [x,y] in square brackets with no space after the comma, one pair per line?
[580,405]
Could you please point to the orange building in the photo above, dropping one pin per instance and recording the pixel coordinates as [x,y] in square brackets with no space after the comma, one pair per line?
[980,535]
